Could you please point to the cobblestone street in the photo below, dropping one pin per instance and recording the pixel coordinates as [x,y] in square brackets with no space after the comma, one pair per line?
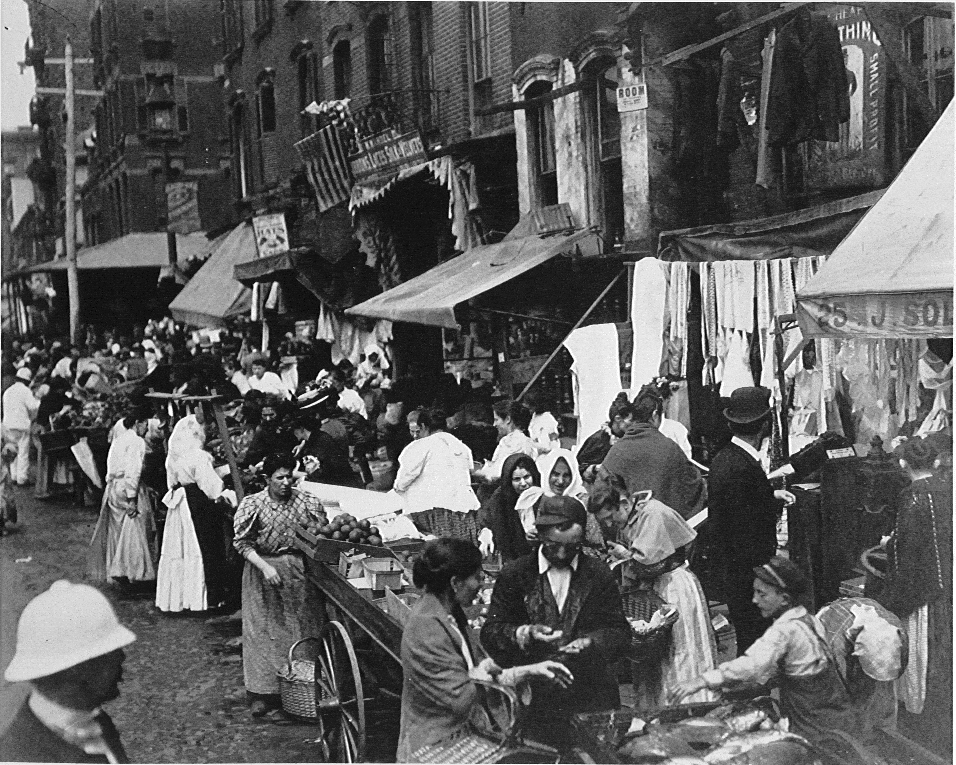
[182,694]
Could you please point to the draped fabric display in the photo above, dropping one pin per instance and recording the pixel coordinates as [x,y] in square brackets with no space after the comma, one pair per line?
[879,379]
[348,336]
[327,166]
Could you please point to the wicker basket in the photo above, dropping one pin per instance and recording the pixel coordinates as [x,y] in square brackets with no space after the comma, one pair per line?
[298,686]
[445,523]
[647,647]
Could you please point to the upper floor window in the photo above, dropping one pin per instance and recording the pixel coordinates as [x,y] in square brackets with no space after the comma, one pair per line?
[263,12]
[342,69]
[240,148]
[267,106]
[423,62]
[541,143]
[928,45]
[606,143]
[479,37]
[307,70]
[232,25]
[379,54]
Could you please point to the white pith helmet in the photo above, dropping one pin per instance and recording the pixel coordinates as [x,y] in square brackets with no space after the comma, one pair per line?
[62,627]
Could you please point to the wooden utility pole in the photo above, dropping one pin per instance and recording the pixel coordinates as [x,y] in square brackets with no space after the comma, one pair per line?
[69,229]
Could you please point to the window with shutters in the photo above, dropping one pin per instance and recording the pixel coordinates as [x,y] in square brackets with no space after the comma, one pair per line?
[379,43]
[342,69]
[233,30]
[142,113]
[267,106]
[928,46]
[262,10]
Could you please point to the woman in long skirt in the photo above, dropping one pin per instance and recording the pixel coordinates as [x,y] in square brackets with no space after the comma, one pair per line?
[123,544]
[192,566]
[279,606]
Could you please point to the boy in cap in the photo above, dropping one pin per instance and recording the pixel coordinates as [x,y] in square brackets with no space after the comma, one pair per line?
[793,653]
[556,601]
[70,649]
[20,409]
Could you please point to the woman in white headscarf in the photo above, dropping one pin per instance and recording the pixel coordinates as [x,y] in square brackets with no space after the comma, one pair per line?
[560,477]
[192,565]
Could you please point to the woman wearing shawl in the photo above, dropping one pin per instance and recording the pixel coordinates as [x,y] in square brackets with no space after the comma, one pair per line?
[499,518]
[192,565]
[123,544]
[560,477]
[652,541]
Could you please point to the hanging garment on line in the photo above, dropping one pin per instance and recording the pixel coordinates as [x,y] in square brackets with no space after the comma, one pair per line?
[737,372]
[597,374]
[736,282]
[708,325]
[678,304]
[648,306]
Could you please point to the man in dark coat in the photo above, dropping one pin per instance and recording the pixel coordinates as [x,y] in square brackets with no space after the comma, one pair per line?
[559,603]
[744,508]
[70,649]
[647,460]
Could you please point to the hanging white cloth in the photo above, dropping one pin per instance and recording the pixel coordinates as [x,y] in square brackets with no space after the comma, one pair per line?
[911,687]
[648,300]
[597,374]
[737,372]
[935,374]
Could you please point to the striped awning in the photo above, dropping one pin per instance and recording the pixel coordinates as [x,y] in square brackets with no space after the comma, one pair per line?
[327,166]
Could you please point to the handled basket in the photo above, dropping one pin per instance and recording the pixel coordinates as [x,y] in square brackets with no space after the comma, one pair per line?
[652,646]
[299,690]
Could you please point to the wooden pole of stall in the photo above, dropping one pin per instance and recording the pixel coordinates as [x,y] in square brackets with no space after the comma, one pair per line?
[556,351]
[220,418]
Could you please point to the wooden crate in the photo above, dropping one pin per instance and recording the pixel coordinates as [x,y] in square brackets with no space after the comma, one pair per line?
[329,550]
[399,605]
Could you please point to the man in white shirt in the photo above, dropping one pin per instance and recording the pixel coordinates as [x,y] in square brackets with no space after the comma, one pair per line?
[435,470]
[70,649]
[267,382]
[558,601]
[19,411]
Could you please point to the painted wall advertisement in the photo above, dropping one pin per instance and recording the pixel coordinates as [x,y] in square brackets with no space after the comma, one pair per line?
[858,159]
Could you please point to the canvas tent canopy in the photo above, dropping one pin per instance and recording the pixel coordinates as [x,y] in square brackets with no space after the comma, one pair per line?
[212,296]
[892,276]
[137,250]
[431,298]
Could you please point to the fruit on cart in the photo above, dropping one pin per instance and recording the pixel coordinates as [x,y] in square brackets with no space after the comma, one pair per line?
[375,540]
[345,528]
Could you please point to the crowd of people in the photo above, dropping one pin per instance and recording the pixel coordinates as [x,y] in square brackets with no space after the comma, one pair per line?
[577,533]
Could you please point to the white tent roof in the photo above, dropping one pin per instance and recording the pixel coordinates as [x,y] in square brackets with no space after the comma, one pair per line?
[893,274]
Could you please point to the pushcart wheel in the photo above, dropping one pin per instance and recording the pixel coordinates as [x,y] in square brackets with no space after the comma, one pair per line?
[344,712]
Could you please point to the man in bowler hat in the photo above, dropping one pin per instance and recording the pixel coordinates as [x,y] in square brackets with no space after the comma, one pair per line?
[744,508]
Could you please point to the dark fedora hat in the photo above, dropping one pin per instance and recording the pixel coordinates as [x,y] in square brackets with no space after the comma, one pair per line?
[748,405]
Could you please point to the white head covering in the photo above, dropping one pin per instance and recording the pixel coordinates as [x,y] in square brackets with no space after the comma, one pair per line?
[657,532]
[187,438]
[546,463]
[372,347]
[525,507]
[25,374]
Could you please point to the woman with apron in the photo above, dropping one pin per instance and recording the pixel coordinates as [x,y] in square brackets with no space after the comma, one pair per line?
[794,652]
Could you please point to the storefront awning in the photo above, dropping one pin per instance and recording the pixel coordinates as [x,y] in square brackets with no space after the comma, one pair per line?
[138,250]
[431,297]
[893,275]
[213,295]
[800,234]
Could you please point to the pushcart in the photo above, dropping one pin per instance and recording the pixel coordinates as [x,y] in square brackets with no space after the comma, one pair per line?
[338,672]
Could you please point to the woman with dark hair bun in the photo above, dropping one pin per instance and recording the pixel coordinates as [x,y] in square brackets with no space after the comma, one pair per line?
[511,420]
[439,662]
[278,605]
[499,520]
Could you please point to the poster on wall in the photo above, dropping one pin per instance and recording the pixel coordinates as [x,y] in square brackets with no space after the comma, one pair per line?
[858,159]
[272,238]
[182,205]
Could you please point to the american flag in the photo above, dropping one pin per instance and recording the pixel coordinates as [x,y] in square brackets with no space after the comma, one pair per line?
[327,166]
